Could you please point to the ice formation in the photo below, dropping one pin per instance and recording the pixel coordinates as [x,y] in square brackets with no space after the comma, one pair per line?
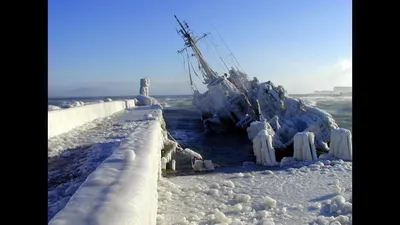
[263,149]
[144,97]
[53,107]
[71,104]
[164,163]
[202,165]
[172,147]
[173,163]
[208,165]
[341,145]
[143,100]
[191,153]
[270,202]
[304,148]
[144,87]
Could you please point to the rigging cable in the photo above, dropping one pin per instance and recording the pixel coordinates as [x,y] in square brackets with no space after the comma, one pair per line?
[190,62]
[184,67]
[216,50]
[190,76]
[228,49]
[220,64]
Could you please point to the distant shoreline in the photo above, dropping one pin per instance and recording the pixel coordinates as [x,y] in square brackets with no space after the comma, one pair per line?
[187,95]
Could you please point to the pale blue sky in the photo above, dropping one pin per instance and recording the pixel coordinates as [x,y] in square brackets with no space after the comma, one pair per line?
[104,47]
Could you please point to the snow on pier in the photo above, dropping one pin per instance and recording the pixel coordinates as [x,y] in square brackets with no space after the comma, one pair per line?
[130,144]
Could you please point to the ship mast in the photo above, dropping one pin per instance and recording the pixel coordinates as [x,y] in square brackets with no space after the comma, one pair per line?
[208,73]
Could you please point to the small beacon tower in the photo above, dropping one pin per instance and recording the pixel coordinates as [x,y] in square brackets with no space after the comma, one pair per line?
[144,86]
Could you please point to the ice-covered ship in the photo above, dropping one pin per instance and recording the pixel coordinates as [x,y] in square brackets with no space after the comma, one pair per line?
[234,102]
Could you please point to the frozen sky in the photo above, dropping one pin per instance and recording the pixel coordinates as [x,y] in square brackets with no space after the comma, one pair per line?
[104,47]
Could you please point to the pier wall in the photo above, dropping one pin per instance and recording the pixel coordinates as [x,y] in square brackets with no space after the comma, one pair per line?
[123,188]
[60,121]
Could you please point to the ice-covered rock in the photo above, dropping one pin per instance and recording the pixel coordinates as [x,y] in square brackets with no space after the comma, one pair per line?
[341,145]
[304,148]
[208,165]
[203,165]
[198,165]
[270,202]
[286,161]
[221,218]
[52,107]
[242,198]
[325,156]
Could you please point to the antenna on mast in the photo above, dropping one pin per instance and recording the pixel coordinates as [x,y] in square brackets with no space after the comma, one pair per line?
[190,42]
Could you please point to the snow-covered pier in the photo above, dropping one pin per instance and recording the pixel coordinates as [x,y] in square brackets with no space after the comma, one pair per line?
[115,192]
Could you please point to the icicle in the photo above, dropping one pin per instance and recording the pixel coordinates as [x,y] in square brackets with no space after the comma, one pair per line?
[163,163]
[173,163]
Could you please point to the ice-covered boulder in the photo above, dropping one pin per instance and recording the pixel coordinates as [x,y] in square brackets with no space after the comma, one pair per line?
[304,148]
[202,165]
[70,104]
[52,107]
[341,145]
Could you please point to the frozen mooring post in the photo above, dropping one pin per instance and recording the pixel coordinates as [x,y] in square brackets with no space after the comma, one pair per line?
[262,136]
[341,146]
[304,148]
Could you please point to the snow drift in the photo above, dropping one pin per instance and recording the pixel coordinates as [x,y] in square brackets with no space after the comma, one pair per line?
[60,121]
[123,189]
